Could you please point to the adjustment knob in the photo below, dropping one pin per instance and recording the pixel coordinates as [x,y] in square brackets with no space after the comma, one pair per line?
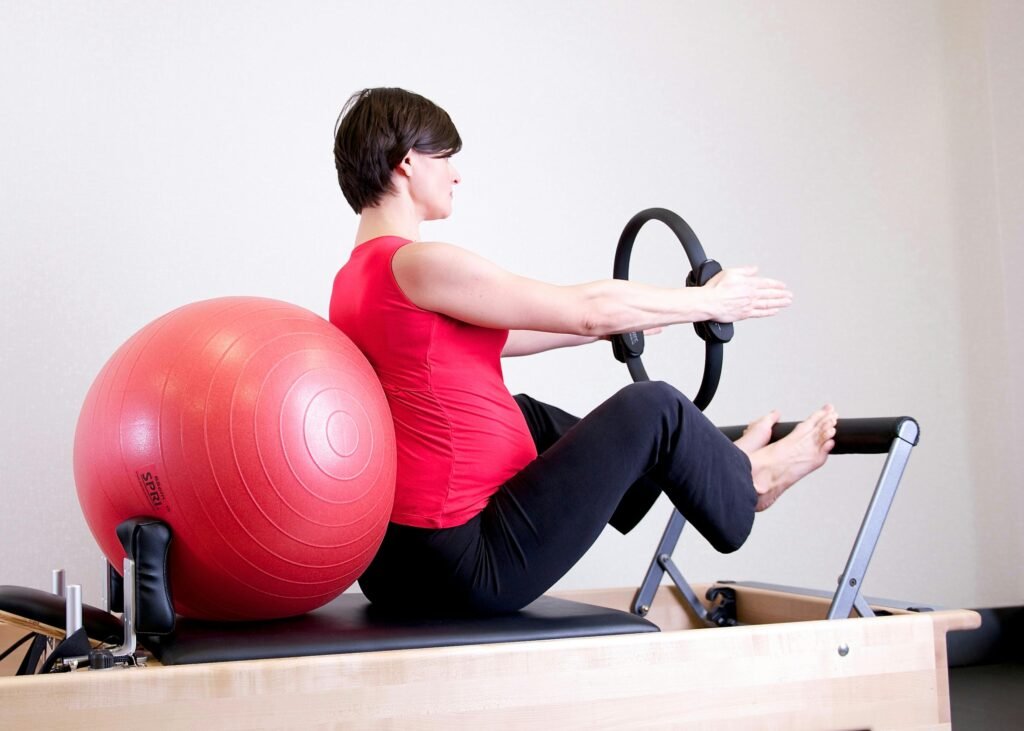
[101,660]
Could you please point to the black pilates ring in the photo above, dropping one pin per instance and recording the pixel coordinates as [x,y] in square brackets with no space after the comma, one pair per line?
[629,347]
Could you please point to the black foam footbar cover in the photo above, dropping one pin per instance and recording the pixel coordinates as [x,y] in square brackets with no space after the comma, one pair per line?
[351,624]
[853,436]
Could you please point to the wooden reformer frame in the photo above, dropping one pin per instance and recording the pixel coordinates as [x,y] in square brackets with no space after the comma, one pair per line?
[786,666]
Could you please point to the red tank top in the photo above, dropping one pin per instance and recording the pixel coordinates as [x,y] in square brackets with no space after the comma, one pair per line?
[459,432]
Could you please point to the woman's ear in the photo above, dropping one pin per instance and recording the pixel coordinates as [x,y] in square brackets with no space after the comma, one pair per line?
[404,167]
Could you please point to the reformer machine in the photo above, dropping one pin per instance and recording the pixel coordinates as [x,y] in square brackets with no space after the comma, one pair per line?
[579,663]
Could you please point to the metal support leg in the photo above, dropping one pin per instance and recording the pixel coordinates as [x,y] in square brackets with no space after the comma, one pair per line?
[652,579]
[871,528]
[661,564]
[685,589]
[862,607]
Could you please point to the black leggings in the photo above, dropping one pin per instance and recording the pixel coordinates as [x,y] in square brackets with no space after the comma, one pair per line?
[539,523]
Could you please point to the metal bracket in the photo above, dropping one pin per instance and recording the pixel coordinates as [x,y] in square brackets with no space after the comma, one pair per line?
[123,655]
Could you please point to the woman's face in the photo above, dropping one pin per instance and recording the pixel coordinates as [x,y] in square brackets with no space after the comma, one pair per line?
[432,184]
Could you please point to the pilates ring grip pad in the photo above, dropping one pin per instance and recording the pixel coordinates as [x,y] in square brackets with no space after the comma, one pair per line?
[893,436]
[629,347]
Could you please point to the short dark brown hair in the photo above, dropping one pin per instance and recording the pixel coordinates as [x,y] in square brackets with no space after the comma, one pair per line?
[375,129]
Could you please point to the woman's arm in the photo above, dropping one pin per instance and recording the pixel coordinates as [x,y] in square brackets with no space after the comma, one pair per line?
[455,282]
[529,342]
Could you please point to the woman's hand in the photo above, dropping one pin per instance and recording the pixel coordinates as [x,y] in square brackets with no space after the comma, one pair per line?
[739,294]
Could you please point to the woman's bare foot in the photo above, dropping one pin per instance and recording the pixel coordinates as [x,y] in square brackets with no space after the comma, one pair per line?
[758,433]
[776,467]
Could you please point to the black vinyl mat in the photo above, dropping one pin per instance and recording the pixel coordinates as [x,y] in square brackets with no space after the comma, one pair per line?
[351,624]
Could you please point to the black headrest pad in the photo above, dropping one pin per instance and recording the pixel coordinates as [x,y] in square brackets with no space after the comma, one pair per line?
[147,541]
[350,624]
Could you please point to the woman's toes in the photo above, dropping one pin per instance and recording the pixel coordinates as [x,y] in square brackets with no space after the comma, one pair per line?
[765,422]
[758,432]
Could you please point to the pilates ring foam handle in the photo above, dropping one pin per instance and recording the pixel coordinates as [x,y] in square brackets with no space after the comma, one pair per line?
[629,347]
[854,436]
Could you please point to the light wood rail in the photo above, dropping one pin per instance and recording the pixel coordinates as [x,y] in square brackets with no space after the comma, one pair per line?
[782,675]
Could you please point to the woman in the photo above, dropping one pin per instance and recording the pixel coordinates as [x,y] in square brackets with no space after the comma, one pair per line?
[497,497]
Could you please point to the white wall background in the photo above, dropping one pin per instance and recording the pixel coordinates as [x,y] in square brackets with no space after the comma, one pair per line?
[871,154]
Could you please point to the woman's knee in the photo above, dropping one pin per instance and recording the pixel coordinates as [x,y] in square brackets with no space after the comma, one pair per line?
[730,536]
[654,395]
[655,404]
[736,501]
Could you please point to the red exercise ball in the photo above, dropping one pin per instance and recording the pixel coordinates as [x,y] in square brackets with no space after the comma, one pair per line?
[261,435]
